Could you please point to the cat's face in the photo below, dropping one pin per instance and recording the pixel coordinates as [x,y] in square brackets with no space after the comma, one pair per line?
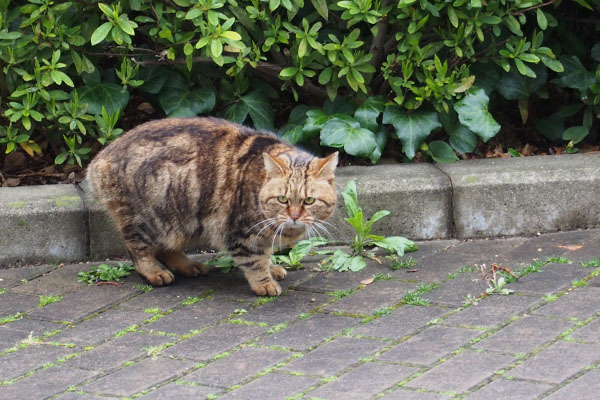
[299,193]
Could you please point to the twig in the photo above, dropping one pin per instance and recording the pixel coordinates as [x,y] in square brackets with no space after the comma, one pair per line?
[534,7]
[108,283]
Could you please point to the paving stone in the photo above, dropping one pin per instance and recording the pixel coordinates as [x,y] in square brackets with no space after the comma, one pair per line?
[510,390]
[454,291]
[401,322]
[558,362]
[404,394]
[492,310]
[139,376]
[334,356]
[436,267]
[330,281]
[461,372]
[364,381]
[10,277]
[430,345]
[193,317]
[310,331]
[17,363]
[14,332]
[274,386]
[580,388]
[100,327]
[214,341]
[58,281]
[377,295]
[286,307]
[234,368]
[44,383]
[524,335]
[426,249]
[181,391]
[163,298]
[581,303]
[114,353]
[547,245]
[589,333]
[15,303]
[550,279]
[78,305]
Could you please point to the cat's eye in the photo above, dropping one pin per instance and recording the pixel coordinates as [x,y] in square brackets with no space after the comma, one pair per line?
[282,199]
[309,200]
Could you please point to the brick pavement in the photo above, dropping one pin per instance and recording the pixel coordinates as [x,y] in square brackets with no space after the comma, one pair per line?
[327,336]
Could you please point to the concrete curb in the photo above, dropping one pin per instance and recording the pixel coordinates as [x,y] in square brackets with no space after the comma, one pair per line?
[467,199]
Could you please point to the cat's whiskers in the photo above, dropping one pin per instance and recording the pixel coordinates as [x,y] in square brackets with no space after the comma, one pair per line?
[326,223]
[320,227]
[272,222]
[264,221]
[279,230]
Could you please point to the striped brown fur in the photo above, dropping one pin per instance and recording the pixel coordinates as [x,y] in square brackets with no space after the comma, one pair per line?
[171,182]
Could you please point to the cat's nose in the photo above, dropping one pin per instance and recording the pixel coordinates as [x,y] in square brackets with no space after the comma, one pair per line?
[294,213]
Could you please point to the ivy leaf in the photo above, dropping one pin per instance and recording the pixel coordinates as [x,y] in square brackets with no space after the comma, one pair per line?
[552,128]
[177,100]
[97,94]
[237,112]
[396,244]
[441,152]
[348,135]
[411,129]
[368,112]
[514,86]
[259,109]
[381,137]
[462,139]
[595,53]
[576,134]
[154,78]
[575,75]
[473,113]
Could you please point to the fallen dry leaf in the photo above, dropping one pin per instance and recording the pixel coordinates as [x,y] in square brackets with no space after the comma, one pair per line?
[367,281]
[572,247]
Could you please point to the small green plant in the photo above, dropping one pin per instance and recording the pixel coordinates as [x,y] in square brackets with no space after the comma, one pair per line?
[49,299]
[381,277]
[191,300]
[401,264]
[414,297]
[144,288]
[579,283]
[338,294]
[382,311]
[495,280]
[299,251]
[551,298]
[594,262]
[105,273]
[223,262]
[364,241]
[558,260]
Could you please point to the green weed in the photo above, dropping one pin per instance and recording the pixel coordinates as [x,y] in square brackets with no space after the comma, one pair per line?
[105,273]
[49,299]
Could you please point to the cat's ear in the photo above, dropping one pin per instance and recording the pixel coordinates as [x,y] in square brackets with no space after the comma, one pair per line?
[274,166]
[325,167]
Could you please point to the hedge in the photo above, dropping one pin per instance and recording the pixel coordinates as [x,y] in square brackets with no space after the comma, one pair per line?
[433,78]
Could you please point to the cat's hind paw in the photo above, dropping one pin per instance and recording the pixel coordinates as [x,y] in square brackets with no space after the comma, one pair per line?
[270,288]
[161,278]
[279,273]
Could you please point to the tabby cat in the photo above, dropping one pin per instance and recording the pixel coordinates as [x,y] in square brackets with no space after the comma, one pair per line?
[171,182]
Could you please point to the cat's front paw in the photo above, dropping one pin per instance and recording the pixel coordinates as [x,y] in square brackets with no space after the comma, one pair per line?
[163,277]
[270,288]
[279,273]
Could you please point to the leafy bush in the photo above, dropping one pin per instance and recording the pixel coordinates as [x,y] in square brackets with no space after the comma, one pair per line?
[359,75]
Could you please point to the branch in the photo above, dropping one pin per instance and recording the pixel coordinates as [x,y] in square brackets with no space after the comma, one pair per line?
[378,43]
[521,12]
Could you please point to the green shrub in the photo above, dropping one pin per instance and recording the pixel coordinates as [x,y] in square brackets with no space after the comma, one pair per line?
[350,74]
